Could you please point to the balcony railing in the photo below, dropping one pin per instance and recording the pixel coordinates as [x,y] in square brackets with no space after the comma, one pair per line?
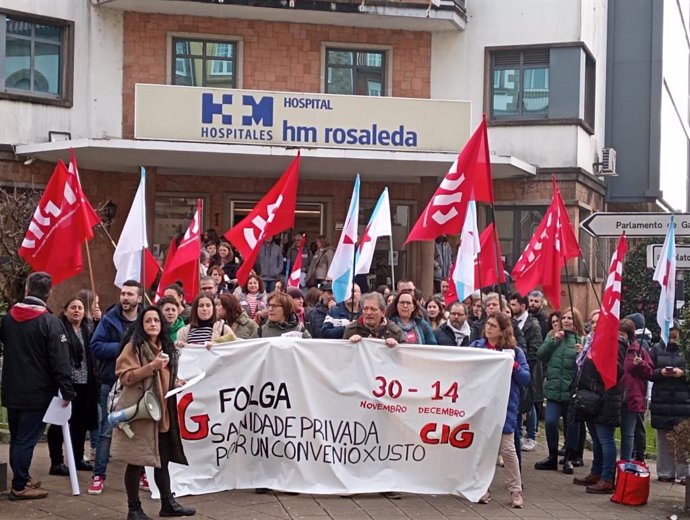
[414,15]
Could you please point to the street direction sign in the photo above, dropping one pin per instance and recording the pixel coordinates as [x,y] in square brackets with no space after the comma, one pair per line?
[635,224]
[682,256]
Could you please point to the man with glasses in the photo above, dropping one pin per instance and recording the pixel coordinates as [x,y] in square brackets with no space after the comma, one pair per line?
[373,323]
[456,331]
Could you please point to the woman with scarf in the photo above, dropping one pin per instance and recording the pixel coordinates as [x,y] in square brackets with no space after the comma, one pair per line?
[406,314]
[282,318]
[253,297]
[149,361]
[85,404]
[498,335]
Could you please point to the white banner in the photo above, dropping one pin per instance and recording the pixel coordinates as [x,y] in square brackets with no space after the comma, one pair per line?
[332,417]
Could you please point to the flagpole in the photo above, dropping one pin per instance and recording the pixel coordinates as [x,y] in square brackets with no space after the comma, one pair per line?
[497,246]
[88,261]
[591,281]
[479,273]
[201,227]
[567,282]
[390,243]
[352,290]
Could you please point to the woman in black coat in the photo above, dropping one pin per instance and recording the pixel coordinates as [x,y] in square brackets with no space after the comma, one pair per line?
[85,405]
[603,424]
[670,402]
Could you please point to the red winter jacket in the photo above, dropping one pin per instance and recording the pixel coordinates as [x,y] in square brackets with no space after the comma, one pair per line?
[635,377]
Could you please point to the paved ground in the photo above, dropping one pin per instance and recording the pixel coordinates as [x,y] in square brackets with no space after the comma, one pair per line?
[547,495]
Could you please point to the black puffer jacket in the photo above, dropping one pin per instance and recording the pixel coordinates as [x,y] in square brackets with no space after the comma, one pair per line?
[36,358]
[670,395]
[610,413]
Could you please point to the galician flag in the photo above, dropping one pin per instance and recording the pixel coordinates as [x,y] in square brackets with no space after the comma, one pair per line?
[463,271]
[665,274]
[133,241]
[379,226]
[340,271]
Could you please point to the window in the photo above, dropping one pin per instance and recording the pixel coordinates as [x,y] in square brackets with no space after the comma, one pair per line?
[542,85]
[204,63]
[357,72]
[516,227]
[520,84]
[34,58]
[173,212]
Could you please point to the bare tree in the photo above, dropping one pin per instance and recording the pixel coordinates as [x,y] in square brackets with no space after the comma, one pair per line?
[17,205]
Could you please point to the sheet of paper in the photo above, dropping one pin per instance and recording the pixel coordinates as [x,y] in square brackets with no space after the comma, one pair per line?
[190,382]
[56,413]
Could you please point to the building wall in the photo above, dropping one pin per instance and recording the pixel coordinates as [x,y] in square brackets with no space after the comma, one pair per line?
[97,80]
[276,56]
[648,121]
[458,71]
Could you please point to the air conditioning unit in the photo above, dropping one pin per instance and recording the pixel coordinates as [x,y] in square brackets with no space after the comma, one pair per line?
[608,162]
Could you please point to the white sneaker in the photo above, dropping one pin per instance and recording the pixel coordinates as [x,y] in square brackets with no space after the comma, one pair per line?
[529,445]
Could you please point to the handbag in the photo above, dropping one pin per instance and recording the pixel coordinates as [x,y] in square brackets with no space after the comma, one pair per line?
[632,483]
[587,403]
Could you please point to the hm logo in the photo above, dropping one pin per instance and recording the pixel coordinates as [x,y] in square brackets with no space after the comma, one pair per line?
[260,111]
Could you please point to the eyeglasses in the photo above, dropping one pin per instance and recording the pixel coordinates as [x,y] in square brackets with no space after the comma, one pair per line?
[274,305]
[492,325]
[405,304]
[457,314]
[371,309]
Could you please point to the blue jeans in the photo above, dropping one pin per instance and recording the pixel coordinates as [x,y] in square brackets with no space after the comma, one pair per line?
[532,423]
[604,448]
[628,424]
[554,411]
[26,428]
[105,434]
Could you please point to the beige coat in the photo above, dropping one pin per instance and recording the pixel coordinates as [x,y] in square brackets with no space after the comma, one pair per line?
[135,374]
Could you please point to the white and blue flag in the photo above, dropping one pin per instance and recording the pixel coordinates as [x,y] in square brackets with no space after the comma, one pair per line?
[665,274]
[340,271]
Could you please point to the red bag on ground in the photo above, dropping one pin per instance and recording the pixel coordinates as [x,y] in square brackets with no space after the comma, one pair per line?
[632,483]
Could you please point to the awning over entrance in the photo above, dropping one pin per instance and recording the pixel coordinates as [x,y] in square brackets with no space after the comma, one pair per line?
[123,155]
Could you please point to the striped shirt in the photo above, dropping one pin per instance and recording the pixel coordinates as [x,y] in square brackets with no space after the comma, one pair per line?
[200,335]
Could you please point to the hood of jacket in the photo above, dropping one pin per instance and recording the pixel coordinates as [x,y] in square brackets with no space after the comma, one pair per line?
[28,309]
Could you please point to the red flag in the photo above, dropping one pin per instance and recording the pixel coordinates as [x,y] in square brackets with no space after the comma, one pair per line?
[469,178]
[488,253]
[271,215]
[293,281]
[89,216]
[452,293]
[604,349]
[151,268]
[182,263]
[553,243]
[56,232]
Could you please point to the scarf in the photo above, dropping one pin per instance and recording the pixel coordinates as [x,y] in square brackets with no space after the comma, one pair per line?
[76,347]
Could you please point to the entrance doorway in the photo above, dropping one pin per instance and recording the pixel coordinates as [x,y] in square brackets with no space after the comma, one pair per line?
[310,218]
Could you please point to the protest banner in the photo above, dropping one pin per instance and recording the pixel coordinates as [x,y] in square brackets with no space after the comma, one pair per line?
[333,417]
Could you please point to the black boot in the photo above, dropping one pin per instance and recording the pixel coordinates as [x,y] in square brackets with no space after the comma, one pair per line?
[567,463]
[135,512]
[170,507]
[549,463]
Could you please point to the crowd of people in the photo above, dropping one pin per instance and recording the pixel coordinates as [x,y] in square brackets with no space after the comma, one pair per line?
[85,352]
